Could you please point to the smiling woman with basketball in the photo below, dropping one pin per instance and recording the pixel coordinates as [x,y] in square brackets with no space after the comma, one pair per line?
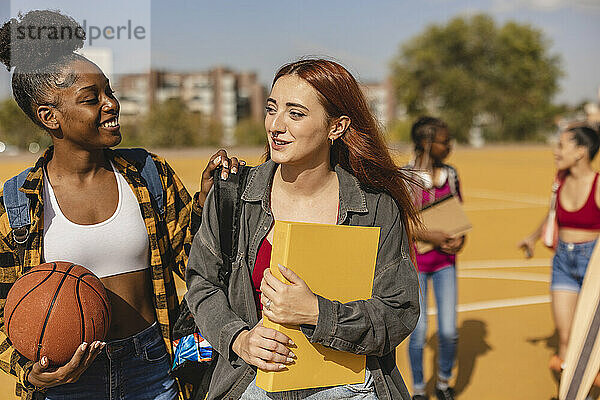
[578,219]
[95,206]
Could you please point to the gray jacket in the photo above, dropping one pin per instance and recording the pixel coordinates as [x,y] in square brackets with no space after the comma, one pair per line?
[373,327]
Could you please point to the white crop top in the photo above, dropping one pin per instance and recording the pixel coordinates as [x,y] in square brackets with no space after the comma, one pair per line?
[114,246]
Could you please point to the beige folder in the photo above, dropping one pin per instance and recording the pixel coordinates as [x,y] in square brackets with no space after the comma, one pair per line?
[446,215]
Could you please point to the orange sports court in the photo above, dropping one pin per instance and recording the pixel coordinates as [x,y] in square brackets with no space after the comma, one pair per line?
[506,333]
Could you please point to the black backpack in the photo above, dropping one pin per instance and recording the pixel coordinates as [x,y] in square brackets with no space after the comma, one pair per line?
[228,195]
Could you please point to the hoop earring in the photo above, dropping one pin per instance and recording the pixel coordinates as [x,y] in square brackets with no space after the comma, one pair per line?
[331,141]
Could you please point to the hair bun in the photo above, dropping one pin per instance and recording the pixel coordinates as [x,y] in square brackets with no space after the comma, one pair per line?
[38,38]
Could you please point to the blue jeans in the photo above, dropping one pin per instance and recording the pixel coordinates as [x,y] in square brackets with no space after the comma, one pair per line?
[136,367]
[357,391]
[569,265]
[444,287]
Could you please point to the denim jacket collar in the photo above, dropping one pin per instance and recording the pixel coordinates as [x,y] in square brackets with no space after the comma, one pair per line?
[352,196]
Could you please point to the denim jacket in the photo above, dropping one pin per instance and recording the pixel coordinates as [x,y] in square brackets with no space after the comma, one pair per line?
[374,327]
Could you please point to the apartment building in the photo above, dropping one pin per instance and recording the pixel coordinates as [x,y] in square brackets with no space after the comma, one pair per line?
[382,102]
[227,96]
[220,93]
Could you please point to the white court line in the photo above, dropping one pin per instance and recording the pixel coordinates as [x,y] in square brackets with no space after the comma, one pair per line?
[508,196]
[467,269]
[492,304]
[508,263]
[517,276]
[471,266]
[502,206]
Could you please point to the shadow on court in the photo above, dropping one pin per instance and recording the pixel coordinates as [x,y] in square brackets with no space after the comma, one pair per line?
[472,344]
[551,342]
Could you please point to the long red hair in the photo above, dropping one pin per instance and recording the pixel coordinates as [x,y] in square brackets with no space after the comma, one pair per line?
[361,150]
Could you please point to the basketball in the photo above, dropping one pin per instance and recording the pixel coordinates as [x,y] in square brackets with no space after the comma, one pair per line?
[54,308]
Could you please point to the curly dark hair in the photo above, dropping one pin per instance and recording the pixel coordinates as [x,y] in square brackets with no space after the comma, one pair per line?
[425,128]
[39,45]
[586,136]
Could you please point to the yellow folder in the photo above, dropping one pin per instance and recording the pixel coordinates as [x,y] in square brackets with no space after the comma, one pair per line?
[338,263]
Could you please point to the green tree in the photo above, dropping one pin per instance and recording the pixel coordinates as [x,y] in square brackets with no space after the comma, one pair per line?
[399,131]
[471,69]
[171,124]
[211,133]
[17,129]
[250,133]
[133,132]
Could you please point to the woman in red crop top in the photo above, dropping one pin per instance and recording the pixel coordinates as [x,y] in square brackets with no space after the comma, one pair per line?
[578,218]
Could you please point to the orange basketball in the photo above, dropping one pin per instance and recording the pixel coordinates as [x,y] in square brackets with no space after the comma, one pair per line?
[54,308]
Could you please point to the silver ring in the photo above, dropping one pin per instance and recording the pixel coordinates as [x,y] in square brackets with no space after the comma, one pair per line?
[268,303]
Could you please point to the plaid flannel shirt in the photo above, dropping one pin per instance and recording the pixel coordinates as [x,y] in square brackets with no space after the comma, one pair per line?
[170,238]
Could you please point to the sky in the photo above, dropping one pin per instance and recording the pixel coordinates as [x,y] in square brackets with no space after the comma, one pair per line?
[364,36]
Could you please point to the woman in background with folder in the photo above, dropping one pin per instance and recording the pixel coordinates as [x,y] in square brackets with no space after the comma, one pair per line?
[327,164]
[432,142]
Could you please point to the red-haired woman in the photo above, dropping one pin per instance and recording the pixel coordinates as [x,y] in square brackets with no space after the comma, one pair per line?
[328,164]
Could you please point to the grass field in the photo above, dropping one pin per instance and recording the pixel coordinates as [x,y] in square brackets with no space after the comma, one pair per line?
[506,333]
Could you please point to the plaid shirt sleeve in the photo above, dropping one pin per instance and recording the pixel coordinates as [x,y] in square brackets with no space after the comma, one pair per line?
[10,360]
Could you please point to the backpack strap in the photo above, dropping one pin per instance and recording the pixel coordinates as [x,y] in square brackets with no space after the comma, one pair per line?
[558,180]
[228,194]
[452,179]
[148,171]
[228,198]
[17,204]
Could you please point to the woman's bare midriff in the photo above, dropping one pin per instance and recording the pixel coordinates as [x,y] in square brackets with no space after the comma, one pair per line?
[130,295]
[571,235]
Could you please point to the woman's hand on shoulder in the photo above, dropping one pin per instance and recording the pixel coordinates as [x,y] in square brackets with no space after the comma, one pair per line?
[44,376]
[220,158]
[264,348]
[293,303]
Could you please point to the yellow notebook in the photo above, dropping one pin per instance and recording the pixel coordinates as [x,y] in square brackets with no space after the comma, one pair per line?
[338,263]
